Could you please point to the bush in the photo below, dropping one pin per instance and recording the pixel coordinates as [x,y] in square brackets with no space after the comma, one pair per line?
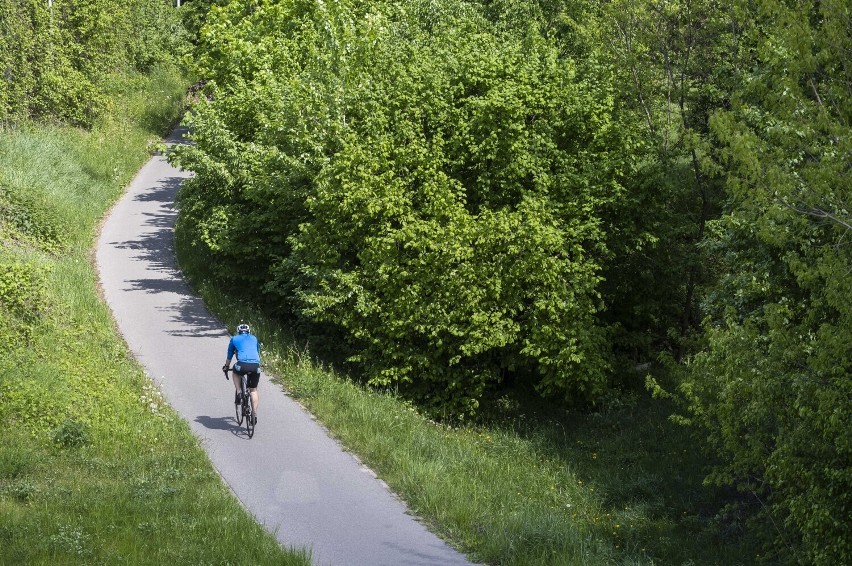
[22,299]
[72,434]
[433,191]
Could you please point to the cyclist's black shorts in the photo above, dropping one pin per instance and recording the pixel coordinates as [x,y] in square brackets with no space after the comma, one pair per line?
[251,371]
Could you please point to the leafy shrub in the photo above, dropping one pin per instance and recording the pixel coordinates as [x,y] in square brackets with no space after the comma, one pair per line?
[22,299]
[772,394]
[29,222]
[420,178]
[22,490]
[72,434]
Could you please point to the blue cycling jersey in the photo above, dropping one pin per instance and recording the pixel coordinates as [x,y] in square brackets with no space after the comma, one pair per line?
[246,348]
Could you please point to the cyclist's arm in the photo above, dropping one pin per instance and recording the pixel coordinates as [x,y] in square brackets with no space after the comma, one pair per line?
[231,350]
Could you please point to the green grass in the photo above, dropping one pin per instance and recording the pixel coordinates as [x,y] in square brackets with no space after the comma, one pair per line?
[94,467]
[530,484]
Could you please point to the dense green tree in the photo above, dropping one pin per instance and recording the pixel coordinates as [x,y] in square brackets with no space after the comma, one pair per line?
[421,178]
[675,64]
[773,387]
[743,178]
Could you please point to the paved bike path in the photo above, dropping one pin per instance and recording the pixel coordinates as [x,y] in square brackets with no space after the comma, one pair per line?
[291,476]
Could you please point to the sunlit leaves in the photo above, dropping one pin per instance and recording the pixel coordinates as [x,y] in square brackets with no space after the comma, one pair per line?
[419,177]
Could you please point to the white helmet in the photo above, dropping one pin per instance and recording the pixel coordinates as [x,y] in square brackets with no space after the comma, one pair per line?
[243,329]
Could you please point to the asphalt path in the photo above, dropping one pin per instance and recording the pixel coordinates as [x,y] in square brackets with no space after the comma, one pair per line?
[297,481]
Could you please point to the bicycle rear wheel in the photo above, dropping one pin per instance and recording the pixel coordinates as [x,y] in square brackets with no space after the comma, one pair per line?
[250,421]
[238,408]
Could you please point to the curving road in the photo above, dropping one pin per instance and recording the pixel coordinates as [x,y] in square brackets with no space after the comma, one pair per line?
[305,489]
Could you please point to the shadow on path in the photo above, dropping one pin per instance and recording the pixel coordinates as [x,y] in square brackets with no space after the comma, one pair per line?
[155,247]
[192,313]
[164,191]
[222,423]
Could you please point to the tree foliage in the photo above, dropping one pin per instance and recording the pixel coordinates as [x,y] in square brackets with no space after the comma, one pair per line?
[773,387]
[418,176]
[676,62]
[470,191]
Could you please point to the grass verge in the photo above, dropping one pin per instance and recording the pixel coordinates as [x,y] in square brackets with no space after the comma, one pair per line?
[94,467]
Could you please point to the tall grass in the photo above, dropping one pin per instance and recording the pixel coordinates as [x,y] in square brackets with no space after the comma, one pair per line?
[530,484]
[94,467]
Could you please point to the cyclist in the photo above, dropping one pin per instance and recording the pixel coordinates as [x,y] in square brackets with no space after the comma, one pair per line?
[244,345]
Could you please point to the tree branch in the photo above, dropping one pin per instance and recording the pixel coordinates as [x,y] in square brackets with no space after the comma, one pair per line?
[819,213]
[816,93]
[628,46]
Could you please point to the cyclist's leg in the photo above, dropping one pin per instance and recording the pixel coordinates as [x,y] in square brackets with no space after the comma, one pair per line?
[254,398]
[237,387]
[238,372]
[253,379]
[238,400]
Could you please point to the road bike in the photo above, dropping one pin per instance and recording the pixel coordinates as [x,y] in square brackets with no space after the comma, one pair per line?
[244,408]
